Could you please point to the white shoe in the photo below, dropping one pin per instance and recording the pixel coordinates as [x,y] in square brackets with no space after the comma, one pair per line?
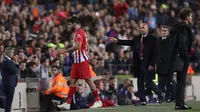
[65,106]
[97,104]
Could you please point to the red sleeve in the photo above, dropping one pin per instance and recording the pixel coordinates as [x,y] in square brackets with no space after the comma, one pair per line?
[79,37]
[126,5]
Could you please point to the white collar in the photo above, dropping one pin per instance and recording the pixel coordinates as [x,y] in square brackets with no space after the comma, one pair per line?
[7,57]
[164,38]
[145,35]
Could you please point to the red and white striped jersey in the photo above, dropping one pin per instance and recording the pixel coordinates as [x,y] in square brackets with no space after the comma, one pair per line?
[81,55]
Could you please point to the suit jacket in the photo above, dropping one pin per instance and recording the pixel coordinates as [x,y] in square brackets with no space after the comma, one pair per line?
[180,46]
[149,53]
[9,73]
[163,58]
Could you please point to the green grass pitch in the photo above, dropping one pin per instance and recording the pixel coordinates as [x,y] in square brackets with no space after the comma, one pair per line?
[165,107]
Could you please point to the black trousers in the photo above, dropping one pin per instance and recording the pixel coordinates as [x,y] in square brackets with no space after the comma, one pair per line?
[181,83]
[166,85]
[146,76]
[46,104]
[9,93]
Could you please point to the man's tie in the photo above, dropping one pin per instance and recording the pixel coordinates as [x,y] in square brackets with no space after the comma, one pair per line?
[141,48]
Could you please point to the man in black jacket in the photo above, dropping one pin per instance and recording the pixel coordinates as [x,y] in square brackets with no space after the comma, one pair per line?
[144,48]
[181,46]
[165,76]
[9,77]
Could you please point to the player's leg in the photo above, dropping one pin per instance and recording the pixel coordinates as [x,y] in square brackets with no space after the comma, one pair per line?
[93,89]
[92,86]
[72,90]
[72,87]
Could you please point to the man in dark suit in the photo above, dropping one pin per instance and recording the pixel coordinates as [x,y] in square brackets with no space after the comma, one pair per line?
[9,77]
[165,76]
[144,48]
[181,46]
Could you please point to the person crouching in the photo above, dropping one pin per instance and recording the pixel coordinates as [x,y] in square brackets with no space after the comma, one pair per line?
[58,90]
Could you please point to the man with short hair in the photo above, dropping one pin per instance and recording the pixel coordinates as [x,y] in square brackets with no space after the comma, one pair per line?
[181,46]
[79,101]
[144,60]
[163,65]
[58,90]
[9,77]
[80,68]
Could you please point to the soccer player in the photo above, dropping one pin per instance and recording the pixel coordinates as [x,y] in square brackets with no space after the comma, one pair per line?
[80,68]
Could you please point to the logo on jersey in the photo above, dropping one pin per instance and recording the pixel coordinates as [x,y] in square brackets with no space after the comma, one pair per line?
[78,35]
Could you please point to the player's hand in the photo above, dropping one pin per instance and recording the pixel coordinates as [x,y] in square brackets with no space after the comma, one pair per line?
[150,68]
[114,40]
[61,51]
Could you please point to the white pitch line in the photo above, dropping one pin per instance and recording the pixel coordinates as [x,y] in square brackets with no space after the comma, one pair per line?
[160,107]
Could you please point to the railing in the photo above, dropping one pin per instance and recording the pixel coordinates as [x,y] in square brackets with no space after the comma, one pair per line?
[115,68]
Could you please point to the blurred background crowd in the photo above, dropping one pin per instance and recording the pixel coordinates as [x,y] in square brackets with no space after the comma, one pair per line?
[35,28]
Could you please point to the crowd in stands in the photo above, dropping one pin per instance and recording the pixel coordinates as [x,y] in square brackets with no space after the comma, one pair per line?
[125,94]
[36,29]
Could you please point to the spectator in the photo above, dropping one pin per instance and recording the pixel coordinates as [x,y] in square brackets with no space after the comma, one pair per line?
[122,89]
[22,69]
[109,63]
[150,19]
[42,70]
[120,8]
[120,63]
[112,89]
[132,94]
[128,61]
[133,11]
[103,95]
[57,91]
[30,69]
[79,102]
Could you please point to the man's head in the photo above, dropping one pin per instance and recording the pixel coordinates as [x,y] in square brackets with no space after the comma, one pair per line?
[99,84]
[121,54]
[9,51]
[127,82]
[33,65]
[21,56]
[73,23]
[111,56]
[56,62]
[144,28]
[79,88]
[131,88]
[127,54]
[164,30]
[22,66]
[186,15]
[112,82]
[2,29]
[54,70]
[45,62]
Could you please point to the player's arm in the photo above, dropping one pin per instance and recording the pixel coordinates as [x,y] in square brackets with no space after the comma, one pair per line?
[71,49]
[76,46]
[122,42]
